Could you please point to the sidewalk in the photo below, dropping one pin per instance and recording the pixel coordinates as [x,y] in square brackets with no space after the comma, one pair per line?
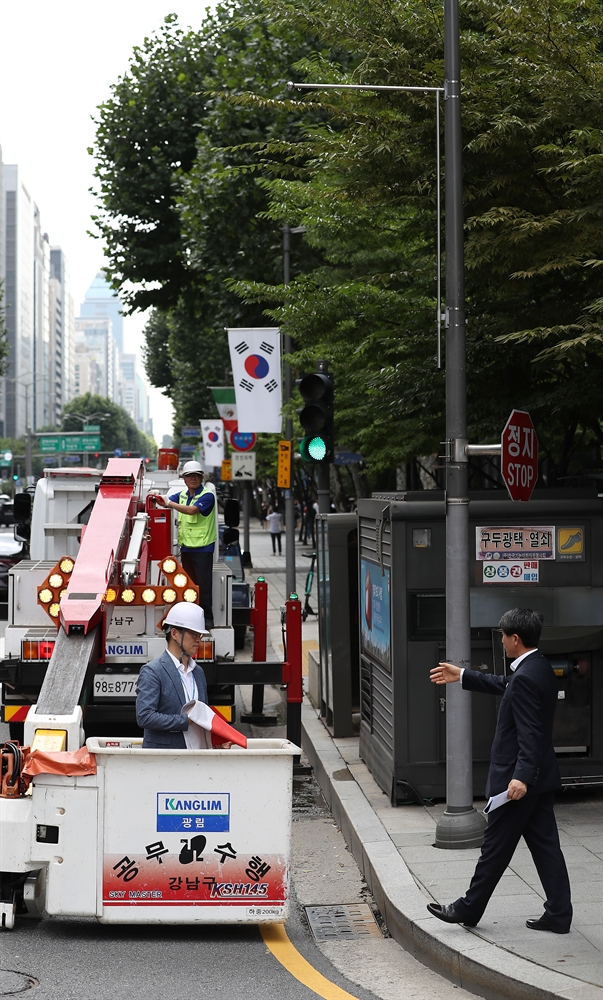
[393,848]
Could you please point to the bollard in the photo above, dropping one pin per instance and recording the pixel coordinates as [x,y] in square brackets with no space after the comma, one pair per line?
[259,620]
[292,668]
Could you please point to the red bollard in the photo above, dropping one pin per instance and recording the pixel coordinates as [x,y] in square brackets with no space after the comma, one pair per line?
[259,620]
[292,669]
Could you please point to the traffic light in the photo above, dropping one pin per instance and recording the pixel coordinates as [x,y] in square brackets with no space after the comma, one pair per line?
[317,416]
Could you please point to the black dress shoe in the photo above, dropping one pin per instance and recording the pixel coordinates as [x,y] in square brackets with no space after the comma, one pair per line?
[447,912]
[544,924]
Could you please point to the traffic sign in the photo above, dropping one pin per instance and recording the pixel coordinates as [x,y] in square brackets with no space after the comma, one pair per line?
[283,475]
[242,440]
[69,442]
[347,458]
[226,473]
[243,465]
[191,432]
[519,455]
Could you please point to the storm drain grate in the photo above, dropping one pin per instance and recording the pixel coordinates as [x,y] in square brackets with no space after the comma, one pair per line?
[342,922]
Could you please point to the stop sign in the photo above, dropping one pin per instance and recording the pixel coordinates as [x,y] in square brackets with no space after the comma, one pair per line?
[519,455]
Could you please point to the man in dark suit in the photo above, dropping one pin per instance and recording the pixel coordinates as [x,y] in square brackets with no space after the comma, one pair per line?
[523,762]
[171,681]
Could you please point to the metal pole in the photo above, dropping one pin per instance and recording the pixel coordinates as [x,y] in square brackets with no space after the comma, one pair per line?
[460,826]
[289,501]
[246,505]
[324,479]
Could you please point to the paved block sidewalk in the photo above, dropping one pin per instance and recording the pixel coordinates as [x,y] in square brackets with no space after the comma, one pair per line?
[394,849]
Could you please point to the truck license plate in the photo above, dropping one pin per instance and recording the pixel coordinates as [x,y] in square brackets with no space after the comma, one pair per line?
[115,686]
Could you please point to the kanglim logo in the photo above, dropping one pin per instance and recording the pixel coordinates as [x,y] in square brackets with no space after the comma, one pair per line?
[198,811]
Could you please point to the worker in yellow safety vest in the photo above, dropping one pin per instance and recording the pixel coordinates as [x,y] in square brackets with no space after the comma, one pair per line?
[197,533]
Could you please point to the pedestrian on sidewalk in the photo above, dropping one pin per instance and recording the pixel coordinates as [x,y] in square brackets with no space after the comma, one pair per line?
[275,526]
[523,762]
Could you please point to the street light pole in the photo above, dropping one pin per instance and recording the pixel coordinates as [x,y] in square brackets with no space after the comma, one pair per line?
[460,826]
[289,500]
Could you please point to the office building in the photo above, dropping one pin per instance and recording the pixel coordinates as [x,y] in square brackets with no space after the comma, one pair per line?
[101,301]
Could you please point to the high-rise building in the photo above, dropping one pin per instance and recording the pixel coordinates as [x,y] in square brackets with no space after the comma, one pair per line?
[40,377]
[61,335]
[101,300]
[95,348]
[18,276]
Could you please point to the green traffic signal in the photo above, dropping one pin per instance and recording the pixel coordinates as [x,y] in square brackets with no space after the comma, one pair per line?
[317,416]
[313,448]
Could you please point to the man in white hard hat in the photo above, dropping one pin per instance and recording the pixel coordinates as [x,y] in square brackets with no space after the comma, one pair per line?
[197,532]
[173,685]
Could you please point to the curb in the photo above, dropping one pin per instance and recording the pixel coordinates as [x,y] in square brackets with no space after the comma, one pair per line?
[467,961]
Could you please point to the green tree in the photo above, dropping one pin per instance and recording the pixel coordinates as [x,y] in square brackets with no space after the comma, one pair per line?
[174,219]
[531,76]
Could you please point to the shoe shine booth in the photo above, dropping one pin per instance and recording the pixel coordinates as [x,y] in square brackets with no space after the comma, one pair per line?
[546,554]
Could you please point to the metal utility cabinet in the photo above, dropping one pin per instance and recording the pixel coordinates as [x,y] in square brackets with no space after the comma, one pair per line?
[337,552]
[557,570]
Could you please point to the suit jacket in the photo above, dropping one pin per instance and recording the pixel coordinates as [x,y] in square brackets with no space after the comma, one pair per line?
[523,742]
[159,700]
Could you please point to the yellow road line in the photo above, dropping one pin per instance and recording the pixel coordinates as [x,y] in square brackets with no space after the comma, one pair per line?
[275,937]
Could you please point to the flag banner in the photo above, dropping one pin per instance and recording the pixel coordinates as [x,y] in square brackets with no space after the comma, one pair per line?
[213,442]
[255,354]
[226,405]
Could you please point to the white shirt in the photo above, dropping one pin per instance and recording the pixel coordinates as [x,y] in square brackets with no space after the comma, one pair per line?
[187,676]
[275,523]
[195,737]
[516,662]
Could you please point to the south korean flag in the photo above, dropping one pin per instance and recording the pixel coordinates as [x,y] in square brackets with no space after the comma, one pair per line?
[255,354]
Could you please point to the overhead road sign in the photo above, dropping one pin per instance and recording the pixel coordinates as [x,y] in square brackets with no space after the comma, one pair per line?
[69,442]
[519,455]
[191,432]
[347,458]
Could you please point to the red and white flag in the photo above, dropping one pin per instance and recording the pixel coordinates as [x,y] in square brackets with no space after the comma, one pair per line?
[204,716]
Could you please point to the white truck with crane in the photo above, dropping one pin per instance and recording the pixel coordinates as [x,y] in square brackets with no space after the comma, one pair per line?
[96,825]
[137,541]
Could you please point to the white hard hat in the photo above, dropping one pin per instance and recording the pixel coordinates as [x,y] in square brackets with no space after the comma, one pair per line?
[189,467]
[186,615]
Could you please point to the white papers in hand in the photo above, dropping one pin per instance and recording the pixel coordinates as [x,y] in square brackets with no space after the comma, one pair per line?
[495,801]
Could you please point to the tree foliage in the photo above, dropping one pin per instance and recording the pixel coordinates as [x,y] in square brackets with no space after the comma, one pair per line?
[193,199]
[531,100]
[174,219]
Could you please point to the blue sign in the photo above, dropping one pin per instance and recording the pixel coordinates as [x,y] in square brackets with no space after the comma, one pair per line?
[242,441]
[375,615]
[347,458]
[188,448]
[191,432]
[193,811]
[118,452]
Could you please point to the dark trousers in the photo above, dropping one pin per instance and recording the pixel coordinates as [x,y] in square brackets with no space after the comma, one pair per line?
[532,817]
[276,537]
[199,566]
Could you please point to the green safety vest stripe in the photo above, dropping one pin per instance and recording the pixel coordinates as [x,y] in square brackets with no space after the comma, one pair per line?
[196,530]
